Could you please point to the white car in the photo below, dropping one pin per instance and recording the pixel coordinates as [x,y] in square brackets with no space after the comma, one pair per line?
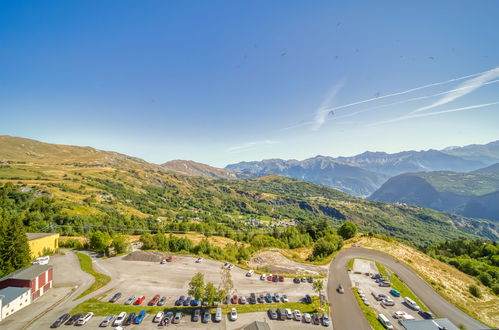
[158,317]
[284,298]
[119,319]
[307,318]
[403,315]
[388,302]
[250,273]
[263,277]
[163,261]
[198,260]
[84,319]
[289,313]
[233,314]
[42,260]
[297,315]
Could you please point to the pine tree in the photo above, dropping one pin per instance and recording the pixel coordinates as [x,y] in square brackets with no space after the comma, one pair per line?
[20,253]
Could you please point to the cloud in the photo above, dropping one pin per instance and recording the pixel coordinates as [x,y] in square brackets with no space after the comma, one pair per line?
[250,145]
[464,89]
[321,113]
[427,114]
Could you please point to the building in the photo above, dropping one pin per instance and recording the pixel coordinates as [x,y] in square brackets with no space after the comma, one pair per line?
[41,244]
[38,278]
[434,324]
[13,299]
[257,325]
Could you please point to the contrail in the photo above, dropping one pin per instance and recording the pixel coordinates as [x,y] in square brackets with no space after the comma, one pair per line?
[465,88]
[320,115]
[404,92]
[427,114]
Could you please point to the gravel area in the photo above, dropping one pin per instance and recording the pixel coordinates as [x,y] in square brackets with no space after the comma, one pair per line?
[274,262]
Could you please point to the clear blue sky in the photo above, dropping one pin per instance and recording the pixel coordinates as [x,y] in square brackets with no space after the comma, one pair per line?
[225,81]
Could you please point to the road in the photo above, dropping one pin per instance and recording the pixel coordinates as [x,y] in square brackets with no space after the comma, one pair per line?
[346,313]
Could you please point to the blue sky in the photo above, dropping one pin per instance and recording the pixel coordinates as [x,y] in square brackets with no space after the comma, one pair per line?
[225,81]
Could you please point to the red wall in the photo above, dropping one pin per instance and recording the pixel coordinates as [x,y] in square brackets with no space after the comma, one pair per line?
[15,282]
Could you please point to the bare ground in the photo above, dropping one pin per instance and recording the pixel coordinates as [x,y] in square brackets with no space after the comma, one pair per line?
[275,262]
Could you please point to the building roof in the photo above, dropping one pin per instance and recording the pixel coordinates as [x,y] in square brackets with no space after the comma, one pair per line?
[33,236]
[10,293]
[27,273]
[257,325]
[436,324]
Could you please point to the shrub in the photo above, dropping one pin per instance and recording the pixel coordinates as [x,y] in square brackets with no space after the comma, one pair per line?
[475,291]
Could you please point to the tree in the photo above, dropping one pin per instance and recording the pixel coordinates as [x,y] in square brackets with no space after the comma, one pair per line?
[474,290]
[226,284]
[196,286]
[14,247]
[326,246]
[318,286]
[211,293]
[120,244]
[100,241]
[347,230]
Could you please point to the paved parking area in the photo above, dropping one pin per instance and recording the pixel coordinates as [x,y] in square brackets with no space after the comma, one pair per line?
[139,278]
[369,286]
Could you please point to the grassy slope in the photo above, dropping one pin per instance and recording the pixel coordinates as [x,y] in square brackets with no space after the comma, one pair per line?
[470,184]
[86,266]
[448,281]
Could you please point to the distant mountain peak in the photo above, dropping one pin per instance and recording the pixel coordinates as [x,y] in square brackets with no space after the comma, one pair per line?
[192,168]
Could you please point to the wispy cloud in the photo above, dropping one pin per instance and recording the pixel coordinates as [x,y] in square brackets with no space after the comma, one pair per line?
[465,88]
[321,114]
[251,145]
[434,113]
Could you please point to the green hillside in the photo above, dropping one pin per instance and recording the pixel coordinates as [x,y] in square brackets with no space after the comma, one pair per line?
[130,193]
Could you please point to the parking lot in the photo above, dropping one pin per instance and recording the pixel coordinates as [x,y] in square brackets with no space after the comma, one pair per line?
[369,286]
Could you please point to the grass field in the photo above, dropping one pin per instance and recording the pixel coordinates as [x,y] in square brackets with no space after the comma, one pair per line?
[100,308]
[370,315]
[87,267]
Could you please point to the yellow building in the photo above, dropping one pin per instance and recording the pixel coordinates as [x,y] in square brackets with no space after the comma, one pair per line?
[42,243]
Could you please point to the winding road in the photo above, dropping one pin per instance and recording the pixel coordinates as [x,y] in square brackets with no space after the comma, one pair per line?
[346,313]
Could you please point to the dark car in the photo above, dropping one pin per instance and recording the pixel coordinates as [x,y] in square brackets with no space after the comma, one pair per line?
[187,301]
[261,299]
[375,276]
[316,319]
[73,319]
[281,314]
[177,318]
[206,316]
[197,315]
[180,301]
[234,299]
[310,279]
[130,318]
[115,298]
[296,280]
[268,297]
[426,315]
[63,318]
[303,279]
[308,299]
[162,301]
[272,314]
[252,298]
[275,278]
[281,278]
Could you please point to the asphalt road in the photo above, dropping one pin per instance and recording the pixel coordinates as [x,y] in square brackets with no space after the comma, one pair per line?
[346,314]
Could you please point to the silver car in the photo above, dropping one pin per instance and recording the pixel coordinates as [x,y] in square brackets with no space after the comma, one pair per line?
[107,321]
[130,300]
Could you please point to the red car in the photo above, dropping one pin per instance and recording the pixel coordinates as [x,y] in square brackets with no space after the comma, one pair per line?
[154,300]
[274,278]
[169,259]
[281,278]
[269,278]
[234,299]
[140,300]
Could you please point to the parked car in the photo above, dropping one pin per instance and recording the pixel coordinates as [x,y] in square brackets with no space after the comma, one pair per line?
[130,318]
[385,322]
[307,318]
[281,278]
[395,293]
[115,297]
[297,315]
[84,319]
[284,298]
[107,321]
[296,280]
[154,300]
[198,260]
[325,320]
[281,314]
[411,303]
[263,277]
[187,301]
[380,296]
[41,260]
[218,314]
[158,317]
[270,277]
[195,303]
[206,316]
[234,299]
[73,319]
[375,276]
[250,273]
[252,298]
[277,297]
[308,299]
[243,300]
[140,317]
[63,318]
[385,284]
[316,319]
[261,299]
[130,300]
[233,314]
[167,319]
[388,302]
[310,279]
[426,315]
[177,318]
[275,278]
[119,319]
[180,301]
[268,297]
[163,261]
[303,279]
[162,301]
[272,314]
[139,300]
[289,313]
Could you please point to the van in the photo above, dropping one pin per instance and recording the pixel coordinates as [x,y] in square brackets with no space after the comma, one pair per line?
[411,303]
[385,322]
[41,261]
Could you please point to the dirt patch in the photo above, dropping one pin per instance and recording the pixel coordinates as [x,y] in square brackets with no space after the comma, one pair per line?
[274,262]
[145,256]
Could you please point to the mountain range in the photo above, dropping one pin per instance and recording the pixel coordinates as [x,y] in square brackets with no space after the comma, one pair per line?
[77,186]
[363,174]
